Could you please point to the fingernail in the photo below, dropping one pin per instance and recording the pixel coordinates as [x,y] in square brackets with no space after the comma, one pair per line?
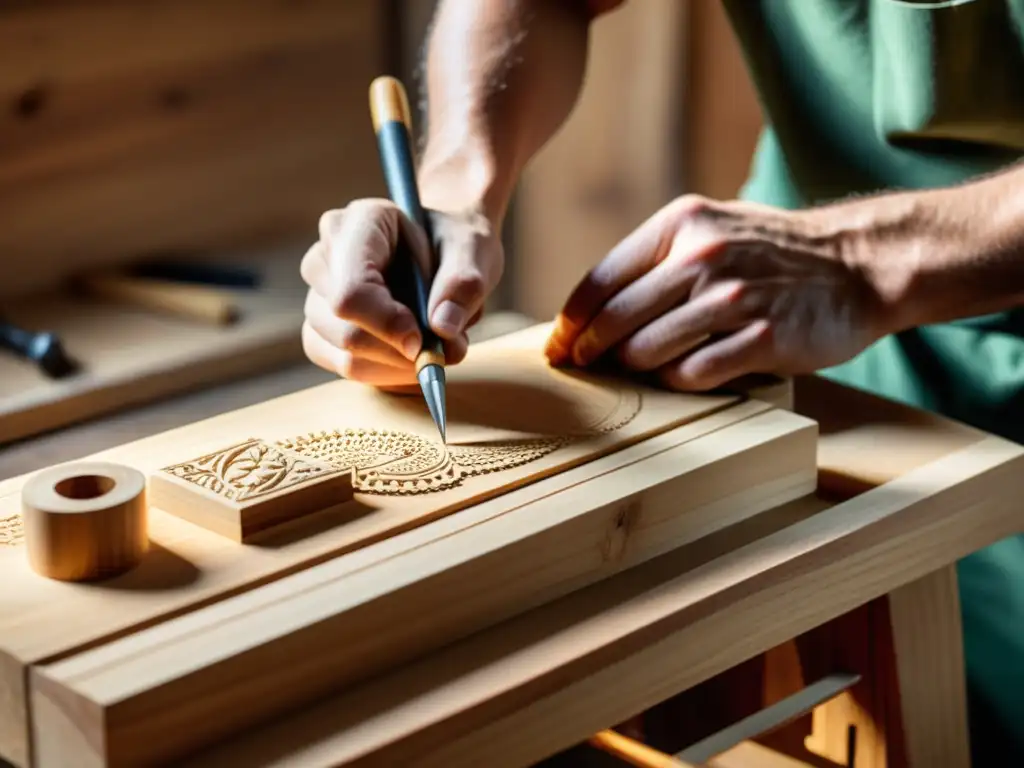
[449,318]
[556,350]
[583,349]
[411,345]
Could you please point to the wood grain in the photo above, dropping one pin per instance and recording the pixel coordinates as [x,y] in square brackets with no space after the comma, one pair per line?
[85,521]
[719,135]
[196,125]
[538,684]
[161,355]
[193,566]
[453,586]
[928,644]
[249,488]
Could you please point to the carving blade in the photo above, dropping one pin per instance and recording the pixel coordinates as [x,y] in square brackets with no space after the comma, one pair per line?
[408,279]
[432,382]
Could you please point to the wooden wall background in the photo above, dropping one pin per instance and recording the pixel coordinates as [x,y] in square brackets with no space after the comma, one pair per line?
[129,127]
[668,108]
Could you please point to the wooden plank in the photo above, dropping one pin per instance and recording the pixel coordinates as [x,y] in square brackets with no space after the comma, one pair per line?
[161,355]
[538,684]
[928,644]
[155,694]
[750,754]
[130,424]
[42,620]
[178,126]
[854,423]
[776,715]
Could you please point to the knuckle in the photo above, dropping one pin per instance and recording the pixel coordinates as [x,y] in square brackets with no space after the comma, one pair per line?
[469,282]
[346,301]
[690,206]
[370,210]
[736,293]
[330,222]
[635,356]
[351,338]
[764,332]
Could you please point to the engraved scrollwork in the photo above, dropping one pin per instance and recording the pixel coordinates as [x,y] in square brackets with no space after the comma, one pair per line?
[383,461]
[398,463]
[12,530]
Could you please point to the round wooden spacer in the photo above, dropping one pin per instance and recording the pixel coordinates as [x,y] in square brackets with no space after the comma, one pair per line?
[85,521]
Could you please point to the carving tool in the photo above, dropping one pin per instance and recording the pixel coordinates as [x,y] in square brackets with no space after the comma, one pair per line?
[226,275]
[42,348]
[194,302]
[407,278]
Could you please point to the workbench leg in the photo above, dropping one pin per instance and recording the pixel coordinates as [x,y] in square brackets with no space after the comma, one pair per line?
[928,646]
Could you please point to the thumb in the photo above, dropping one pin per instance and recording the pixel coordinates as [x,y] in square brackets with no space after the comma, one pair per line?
[469,269]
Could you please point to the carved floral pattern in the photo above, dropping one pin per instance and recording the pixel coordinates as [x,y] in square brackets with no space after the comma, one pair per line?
[248,470]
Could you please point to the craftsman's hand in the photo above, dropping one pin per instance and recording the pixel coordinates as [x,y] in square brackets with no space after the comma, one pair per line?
[705,292]
[354,326]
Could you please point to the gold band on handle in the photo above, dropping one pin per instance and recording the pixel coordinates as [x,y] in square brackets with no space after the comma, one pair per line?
[428,357]
[389,102]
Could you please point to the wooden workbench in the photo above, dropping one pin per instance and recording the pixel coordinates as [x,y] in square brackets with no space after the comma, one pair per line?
[903,496]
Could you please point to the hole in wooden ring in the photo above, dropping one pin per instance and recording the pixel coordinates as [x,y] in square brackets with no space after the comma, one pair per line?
[84,486]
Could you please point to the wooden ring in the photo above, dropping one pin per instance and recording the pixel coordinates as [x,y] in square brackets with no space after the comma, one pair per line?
[85,521]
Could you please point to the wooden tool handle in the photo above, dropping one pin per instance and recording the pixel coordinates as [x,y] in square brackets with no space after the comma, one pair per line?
[633,752]
[389,103]
[194,302]
[85,521]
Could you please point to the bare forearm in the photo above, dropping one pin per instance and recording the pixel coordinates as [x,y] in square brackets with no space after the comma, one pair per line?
[977,234]
[502,76]
[942,254]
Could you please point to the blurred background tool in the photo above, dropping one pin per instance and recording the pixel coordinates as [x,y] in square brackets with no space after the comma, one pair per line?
[180,270]
[42,348]
[201,303]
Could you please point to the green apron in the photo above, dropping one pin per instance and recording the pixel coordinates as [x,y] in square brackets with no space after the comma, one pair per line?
[866,95]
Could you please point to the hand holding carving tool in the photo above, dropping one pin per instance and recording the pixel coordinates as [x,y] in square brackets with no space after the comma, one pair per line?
[409,282]
[42,348]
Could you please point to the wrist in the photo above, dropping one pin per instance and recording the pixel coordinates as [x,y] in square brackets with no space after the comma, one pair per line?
[464,179]
[896,244]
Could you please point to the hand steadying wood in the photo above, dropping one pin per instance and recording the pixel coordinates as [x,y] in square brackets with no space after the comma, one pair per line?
[909,286]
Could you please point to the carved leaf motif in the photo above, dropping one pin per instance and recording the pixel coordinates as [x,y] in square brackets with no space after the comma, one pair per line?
[247,470]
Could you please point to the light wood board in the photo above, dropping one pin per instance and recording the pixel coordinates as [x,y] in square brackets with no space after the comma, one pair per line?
[152,696]
[43,620]
[551,678]
[181,125]
[131,356]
